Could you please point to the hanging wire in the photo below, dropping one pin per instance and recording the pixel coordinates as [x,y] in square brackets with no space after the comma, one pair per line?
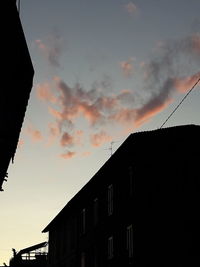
[180,103]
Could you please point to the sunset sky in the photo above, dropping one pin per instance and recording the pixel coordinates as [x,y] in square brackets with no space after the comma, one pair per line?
[103,69]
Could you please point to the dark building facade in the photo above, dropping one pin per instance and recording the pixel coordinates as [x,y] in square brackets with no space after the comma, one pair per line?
[140,209]
[16,83]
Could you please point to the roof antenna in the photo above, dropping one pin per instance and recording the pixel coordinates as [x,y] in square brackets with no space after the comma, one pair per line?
[111,147]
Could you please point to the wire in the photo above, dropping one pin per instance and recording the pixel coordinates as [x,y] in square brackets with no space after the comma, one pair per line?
[180,103]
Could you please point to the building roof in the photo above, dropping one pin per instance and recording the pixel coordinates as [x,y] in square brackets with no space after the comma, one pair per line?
[16,83]
[135,142]
[32,248]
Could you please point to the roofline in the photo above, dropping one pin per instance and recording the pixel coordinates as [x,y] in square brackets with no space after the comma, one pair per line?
[37,246]
[73,199]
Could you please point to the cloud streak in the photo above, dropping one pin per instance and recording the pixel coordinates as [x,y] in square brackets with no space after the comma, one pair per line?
[98,139]
[52,49]
[131,8]
[127,68]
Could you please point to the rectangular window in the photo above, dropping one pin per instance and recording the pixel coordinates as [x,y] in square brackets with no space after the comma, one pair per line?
[83,221]
[110,248]
[129,240]
[72,232]
[96,215]
[96,257]
[83,259]
[110,199]
[131,181]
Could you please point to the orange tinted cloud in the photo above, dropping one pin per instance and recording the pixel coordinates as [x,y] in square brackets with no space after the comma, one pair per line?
[75,138]
[131,8]
[44,93]
[66,139]
[68,155]
[184,84]
[34,134]
[54,133]
[99,139]
[195,43]
[124,115]
[127,67]
[146,116]
[52,50]
[20,143]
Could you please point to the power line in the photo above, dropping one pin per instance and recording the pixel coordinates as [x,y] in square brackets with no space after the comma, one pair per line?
[171,114]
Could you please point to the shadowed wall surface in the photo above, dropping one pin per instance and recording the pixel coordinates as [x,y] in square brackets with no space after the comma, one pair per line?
[139,209]
[16,83]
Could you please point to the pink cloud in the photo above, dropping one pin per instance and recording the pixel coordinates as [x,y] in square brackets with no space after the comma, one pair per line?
[20,143]
[131,8]
[44,93]
[151,112]
[54,133]
[99,139]
[184,84]
[127,68]
[34,134]
[66,139]
[52,51]
[75,138]
[195,43]
[68,155]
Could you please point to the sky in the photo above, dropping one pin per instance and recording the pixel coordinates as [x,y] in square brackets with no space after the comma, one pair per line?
[103,69]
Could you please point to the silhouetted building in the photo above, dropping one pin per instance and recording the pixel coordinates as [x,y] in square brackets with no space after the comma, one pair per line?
[140,209]
[34,256]
[16,83]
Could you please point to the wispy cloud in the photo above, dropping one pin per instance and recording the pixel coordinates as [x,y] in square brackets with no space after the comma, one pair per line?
[166,75]
[34,134]
[66,139]
[44,92]
[51,48]
[68,155]
[183,84]
[98,139]
[127,67]
[20,143]
[163,74]
[131,8]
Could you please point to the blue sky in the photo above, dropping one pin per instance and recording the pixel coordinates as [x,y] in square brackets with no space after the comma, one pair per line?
[103,69]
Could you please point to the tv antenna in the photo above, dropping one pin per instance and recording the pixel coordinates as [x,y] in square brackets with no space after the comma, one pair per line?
[111,147]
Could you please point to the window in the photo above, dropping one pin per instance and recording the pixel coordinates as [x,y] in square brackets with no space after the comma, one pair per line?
[110,199]
[96,257]
[131,181]
[72,232]
[95,207]
[83,221]
[110,248]
[129,240]
[83,259]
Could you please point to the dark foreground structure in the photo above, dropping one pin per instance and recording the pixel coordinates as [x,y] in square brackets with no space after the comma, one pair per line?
[30,257]
[140,209]
[16,83]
